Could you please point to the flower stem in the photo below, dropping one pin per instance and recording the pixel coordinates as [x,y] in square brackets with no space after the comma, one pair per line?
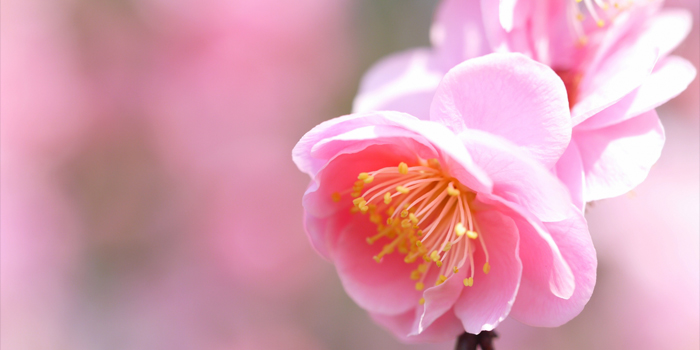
[468,341]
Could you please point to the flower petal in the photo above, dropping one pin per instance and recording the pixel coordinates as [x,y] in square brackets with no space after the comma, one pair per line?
[508,95]
[438,300]
[403,82]
[445,328]
[569,170]
[616,76]
[561,278]
[536,305]
[670,77]
[457,33]
[618,158]
[516,177]
[484,305]
[383,288]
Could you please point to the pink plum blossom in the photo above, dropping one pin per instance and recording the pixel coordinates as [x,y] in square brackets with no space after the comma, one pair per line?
[613,59]
[441,226]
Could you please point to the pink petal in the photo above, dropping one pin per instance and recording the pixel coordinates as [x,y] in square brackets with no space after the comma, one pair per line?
[353,133]
[485,304]
[616,76]
[403,82]
[618,158]
[506,38]
[446,328]
[438,300]
[569,170]
[665,30]
[384,288]
[561,278]
[670,77]
[507,95]
[518,178]
[457,33]
[536,305]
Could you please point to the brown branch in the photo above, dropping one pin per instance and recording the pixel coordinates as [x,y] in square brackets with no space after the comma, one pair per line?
[468,341]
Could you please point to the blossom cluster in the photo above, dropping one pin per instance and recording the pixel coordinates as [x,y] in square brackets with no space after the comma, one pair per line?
[454,196]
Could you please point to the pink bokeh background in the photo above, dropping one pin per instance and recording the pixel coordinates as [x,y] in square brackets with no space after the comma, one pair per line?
[148,199]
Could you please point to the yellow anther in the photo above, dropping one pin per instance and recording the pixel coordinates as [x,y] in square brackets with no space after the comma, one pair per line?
[435,256]
[419,233]
[362,176]
[438,263]
[404,213]
[413,218]
[460,230]
[415,275]
[600,23]
[355,194]
[377,258]
[452,191]
[434,163]
[421,301]
[403,249]
[579,0]
[389,221]
[422,268]
[472,234]
[375,218]
[390,211]
[419,244]
[364,209]
[335,197]
[426,258]
[402,189]
[447,247]
[358,200]
[387,198]
[468,282]
[441,280]
[403,168]
[455,269]
[369,179]
[487,267]
[420,286]
[409,259]
[405,223]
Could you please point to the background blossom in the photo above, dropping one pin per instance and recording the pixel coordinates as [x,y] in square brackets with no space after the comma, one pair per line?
[126,194]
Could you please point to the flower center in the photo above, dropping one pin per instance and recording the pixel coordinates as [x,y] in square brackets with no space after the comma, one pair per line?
[423,214]
[599,10]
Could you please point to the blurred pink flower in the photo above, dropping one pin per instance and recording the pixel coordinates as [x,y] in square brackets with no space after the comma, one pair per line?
[475,216]
[614,63]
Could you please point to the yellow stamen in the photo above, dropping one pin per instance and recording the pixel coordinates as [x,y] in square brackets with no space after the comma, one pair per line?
[460,230]
[472,234]
[369,179]
[420,286]
[600,23]
[402,189]
[435,256]
[362,176]
[441,280]
[403,168]
[387,198]
[452,191]
[455,269]
[487,267]
[447,247]
[421,301]
[468,282]
[415,275]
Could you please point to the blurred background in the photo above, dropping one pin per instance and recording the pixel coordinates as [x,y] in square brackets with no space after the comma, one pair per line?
[149,199]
